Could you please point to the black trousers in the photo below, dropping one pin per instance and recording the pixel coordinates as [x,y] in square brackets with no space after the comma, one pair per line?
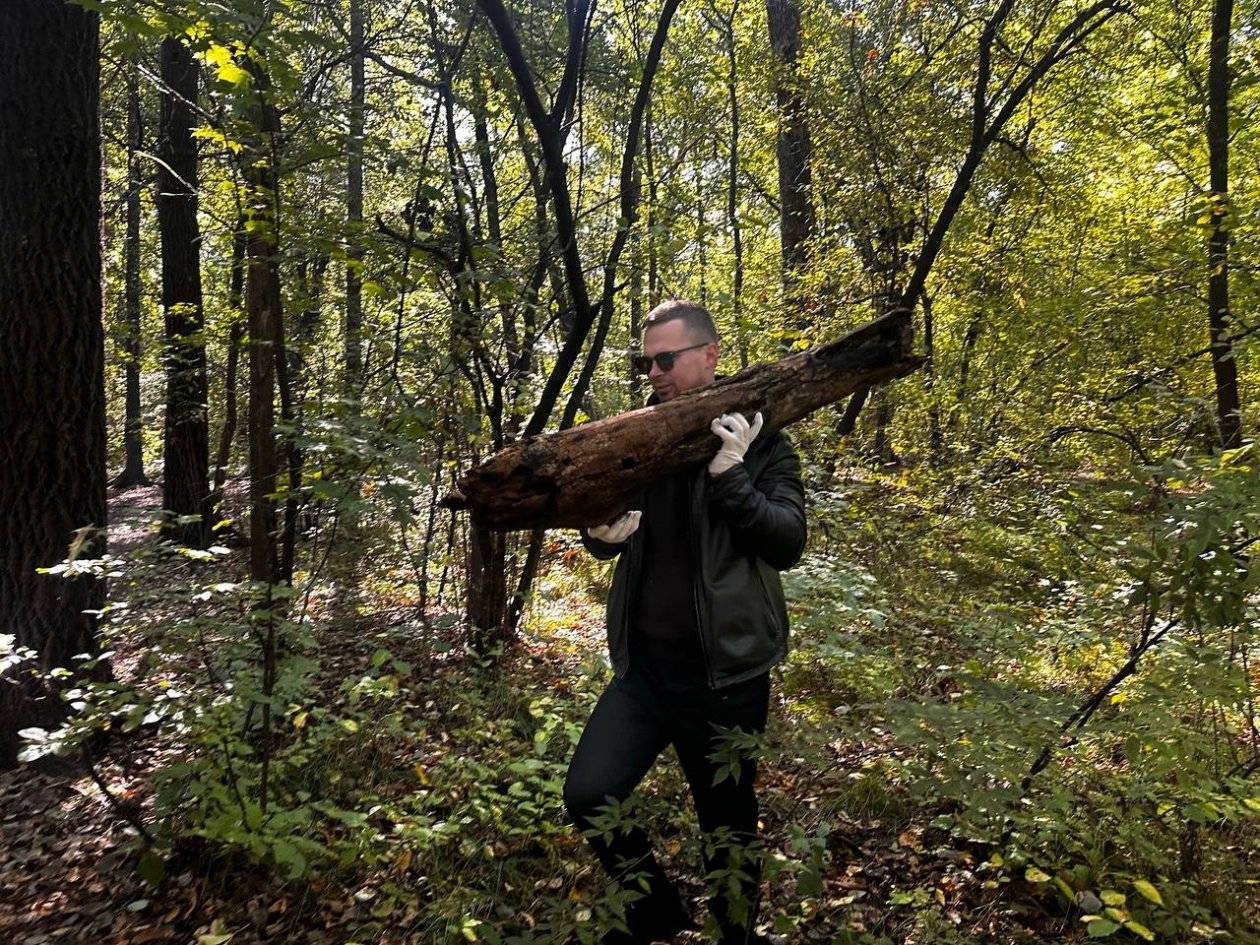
[633,722]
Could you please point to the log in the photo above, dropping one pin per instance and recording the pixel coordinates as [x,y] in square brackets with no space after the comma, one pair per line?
[584,475]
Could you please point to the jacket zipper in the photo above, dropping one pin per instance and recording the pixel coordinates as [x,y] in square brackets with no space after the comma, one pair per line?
[698,570]
[632,583]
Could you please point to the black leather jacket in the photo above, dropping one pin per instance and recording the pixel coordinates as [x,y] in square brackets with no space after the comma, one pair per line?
[747,525]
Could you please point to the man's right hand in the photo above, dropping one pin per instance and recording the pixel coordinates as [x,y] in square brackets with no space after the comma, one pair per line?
[618,531]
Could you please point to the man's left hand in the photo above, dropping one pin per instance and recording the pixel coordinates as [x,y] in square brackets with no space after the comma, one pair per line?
[736,435]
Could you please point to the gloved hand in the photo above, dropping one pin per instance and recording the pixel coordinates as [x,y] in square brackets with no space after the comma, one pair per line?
[736,436]
[621,528]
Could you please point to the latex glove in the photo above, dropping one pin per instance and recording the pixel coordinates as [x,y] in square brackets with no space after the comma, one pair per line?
[621,528]
[737,435]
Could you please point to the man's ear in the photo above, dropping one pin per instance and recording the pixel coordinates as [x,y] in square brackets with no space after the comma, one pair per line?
[712,354]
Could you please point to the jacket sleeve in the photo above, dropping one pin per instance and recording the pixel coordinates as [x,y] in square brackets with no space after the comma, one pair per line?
[600,549]
[769,514]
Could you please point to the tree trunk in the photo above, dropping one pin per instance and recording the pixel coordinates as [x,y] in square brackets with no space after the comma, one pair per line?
[1224,368]
[793,146]
[583,475]
[262,303]
[52,357]
[236,287]
[732,191]
[132,473]
[186,472]
[354,206]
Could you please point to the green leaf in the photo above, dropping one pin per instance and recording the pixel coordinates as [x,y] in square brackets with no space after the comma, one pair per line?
[1148,891]
[1034,875]
[151,868]
[1102,928]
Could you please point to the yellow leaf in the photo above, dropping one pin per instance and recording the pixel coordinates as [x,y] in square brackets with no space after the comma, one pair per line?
[350,725]
[1149,891]
[1137,928]
[299,720]
[1034,875]
[421,773]
[221,58]
[403,862]
[1112,898]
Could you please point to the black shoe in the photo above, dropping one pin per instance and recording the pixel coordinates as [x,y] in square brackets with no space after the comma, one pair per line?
[654,918]
[755,938]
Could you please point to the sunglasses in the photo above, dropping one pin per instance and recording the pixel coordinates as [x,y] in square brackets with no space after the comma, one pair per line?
[665,360]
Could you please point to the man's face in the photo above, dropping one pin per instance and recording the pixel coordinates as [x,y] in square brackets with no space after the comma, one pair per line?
[691,369]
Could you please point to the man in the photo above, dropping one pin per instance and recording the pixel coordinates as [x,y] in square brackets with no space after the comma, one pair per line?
[696,618]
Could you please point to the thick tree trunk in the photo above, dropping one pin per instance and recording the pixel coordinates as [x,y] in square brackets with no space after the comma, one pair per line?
[354,206]
[52,359]
[186,473]
[1224,368]
[583,475]
[793,146]
[132,473]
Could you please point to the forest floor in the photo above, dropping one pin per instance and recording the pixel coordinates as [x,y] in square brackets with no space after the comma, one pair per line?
[68,857]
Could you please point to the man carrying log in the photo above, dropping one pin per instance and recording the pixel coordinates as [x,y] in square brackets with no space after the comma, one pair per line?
[696,619]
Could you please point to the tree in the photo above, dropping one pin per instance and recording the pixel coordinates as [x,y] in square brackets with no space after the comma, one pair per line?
[354,204]
[793,146]
[185,489]
[132,473]
[1224,367]
[52,381]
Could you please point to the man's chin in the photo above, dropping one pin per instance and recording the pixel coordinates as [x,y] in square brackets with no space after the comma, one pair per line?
[668,393]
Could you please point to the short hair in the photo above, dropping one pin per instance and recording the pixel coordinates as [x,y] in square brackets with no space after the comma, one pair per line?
[694,315]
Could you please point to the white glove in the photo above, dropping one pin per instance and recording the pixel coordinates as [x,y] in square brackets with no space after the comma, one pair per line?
[618,531]
[736,436]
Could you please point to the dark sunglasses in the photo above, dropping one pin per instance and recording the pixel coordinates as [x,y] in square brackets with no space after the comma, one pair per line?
[665,360]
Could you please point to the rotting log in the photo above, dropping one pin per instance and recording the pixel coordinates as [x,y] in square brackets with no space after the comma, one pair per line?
[584,475]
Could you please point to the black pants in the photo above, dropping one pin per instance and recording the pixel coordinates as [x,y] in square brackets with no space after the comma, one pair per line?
[633,722]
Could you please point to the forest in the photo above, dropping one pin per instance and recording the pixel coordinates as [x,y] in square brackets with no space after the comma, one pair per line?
[323,327]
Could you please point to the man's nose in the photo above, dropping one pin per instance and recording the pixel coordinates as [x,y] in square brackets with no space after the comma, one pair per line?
[655,370]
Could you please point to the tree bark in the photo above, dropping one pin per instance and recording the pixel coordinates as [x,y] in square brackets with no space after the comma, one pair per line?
[1224,367]
[263,306]
[52,357]
[186,473]
[132,473]
[583,475]
[354,206]
[793,146]
[236,292]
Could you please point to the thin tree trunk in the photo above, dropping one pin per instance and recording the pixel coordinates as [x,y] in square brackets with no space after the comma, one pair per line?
[935,438]
[236,287]
[1224,367]
[649,160]
[530,570]
[263,305]
[52,346]
[185,478]
[732,191]
[132,473]
[354,206]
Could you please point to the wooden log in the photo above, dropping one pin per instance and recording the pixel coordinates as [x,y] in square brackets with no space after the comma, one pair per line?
[584,475]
